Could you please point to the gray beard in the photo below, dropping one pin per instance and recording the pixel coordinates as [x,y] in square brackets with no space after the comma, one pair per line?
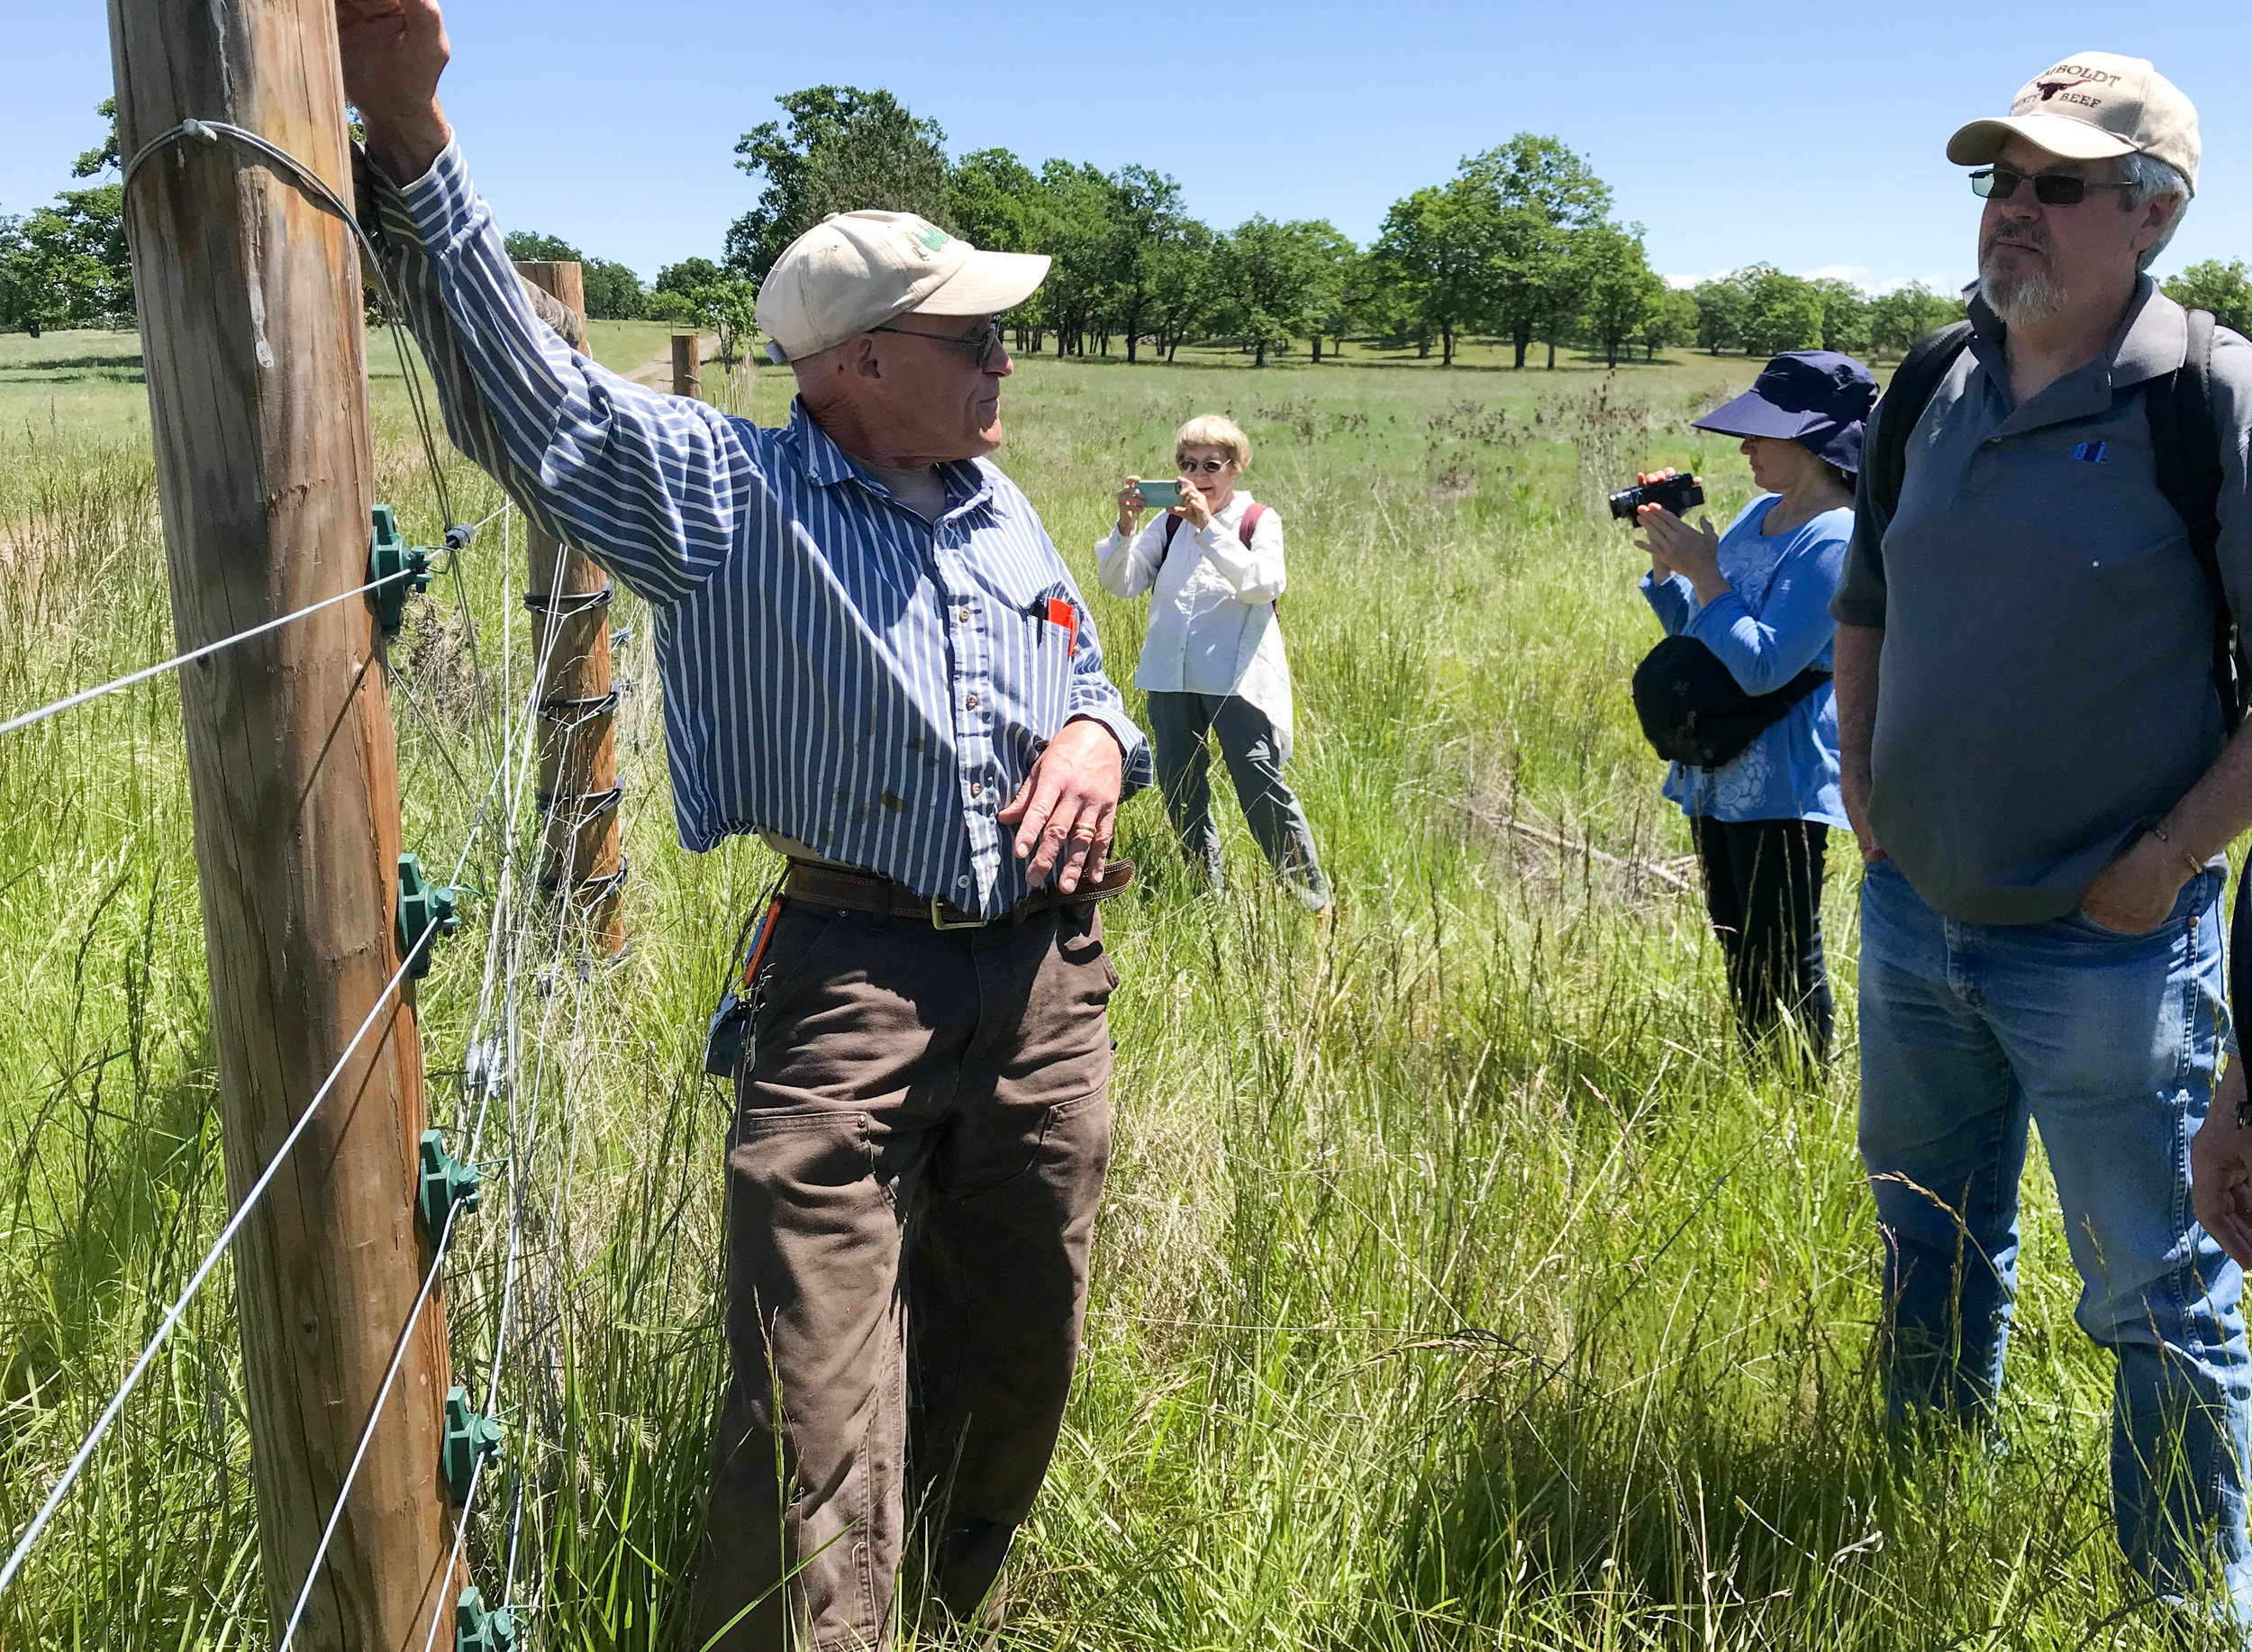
[2020,299]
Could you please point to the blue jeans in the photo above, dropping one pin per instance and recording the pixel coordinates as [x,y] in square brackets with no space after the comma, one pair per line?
[1969,1032]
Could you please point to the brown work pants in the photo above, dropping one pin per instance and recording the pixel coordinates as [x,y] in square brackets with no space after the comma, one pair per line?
[921,1137]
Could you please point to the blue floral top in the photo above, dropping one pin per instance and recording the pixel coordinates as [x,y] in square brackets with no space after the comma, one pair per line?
[1771,625]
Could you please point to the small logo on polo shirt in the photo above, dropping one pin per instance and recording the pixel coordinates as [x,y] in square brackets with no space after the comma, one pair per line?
[2091,452]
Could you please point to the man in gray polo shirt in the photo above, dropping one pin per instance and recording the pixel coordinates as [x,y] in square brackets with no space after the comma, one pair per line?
[2037,768]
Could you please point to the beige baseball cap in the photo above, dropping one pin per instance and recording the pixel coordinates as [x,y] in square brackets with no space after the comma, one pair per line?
[854,271]
[2092,107]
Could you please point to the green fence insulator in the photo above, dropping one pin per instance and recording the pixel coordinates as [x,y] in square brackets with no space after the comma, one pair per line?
[423,907]
[389,556]
[470,1438]
[446,1182]
[477,1630]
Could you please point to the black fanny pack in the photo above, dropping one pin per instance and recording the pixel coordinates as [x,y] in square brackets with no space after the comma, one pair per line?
[1694,712]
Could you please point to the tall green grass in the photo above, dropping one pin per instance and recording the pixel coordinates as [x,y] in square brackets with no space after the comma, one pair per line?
[1457,1286]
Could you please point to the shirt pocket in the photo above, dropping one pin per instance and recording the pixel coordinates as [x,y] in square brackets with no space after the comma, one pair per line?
[1032,667]
[1048,625]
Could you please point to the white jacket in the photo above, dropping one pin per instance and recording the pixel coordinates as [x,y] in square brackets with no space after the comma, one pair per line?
[1212,627]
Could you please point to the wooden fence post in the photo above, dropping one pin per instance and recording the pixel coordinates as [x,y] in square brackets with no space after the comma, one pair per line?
[250,298]
[583,854]
[687,350]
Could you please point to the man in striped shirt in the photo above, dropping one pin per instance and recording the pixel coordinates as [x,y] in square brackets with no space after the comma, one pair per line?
[873,655]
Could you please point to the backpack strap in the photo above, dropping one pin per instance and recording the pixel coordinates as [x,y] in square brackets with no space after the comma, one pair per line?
[1244,530]
[1251,515]
[2185,442]
[1913,381]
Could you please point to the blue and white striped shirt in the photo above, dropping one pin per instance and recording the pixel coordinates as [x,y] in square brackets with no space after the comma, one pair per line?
[836,668]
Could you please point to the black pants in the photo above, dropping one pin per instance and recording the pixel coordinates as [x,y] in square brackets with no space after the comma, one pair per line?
[1763,889]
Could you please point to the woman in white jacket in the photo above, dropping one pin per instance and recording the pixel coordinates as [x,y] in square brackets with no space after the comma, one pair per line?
[1212,661]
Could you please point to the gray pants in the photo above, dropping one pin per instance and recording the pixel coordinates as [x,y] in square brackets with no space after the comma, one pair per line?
[1178,726]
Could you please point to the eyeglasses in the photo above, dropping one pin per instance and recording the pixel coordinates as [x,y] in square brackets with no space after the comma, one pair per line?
[2049,188]
[987,344]
[1203,466]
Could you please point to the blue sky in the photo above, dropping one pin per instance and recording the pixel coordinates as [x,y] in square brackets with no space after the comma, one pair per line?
[1809,136]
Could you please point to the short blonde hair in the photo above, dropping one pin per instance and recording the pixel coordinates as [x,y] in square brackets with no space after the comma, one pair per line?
[1212,431]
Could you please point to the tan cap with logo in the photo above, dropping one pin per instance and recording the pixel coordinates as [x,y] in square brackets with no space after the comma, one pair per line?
[854,271]
[2092,107]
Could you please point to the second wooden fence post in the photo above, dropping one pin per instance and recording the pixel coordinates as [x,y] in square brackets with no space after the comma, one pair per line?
[584,857]
[687,352]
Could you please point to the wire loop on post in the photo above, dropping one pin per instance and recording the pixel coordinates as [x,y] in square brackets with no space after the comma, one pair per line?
[595,888]
[568,604]
[578,808]
[586,710]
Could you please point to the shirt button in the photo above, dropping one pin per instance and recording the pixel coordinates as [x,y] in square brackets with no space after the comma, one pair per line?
[974,789]
[963,616]
[961,883]
[973,700]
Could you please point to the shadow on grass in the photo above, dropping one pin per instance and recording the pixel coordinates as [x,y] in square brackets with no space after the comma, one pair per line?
[1636,1512]
[28,372]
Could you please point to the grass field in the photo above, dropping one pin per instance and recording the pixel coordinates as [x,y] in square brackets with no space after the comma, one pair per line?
[1459,1286]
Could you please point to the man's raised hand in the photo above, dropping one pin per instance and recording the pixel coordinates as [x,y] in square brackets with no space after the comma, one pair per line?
[392,53]
[1068,806]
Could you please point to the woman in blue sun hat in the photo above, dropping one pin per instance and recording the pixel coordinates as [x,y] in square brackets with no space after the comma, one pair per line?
[1757,596]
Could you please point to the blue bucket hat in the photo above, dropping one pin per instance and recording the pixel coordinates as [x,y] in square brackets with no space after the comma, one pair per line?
[1816,398]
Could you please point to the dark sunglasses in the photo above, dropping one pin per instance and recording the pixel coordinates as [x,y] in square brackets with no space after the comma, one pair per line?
[987,344]
[2049,188]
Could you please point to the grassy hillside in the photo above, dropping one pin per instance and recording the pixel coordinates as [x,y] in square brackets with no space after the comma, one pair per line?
[1457,1285]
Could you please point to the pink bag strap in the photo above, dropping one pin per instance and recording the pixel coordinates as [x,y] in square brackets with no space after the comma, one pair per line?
[1244,531]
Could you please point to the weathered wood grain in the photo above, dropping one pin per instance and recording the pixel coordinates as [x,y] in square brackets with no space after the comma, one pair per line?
[250,299]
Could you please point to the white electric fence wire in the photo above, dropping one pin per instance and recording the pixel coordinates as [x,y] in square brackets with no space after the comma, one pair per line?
[440,1246]
[210,133]
[493,516]
[27,718]
[572,1070]
[517,1137]
[444,1241]
[76,1466]
[211,1260]
[490,744]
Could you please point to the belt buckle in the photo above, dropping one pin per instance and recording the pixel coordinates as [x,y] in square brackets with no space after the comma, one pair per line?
[939,920]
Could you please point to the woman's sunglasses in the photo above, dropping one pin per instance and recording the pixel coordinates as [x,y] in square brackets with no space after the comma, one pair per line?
[1203,466]
[2049,188]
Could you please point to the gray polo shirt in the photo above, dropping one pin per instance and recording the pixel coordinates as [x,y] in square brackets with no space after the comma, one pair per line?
[2046,685]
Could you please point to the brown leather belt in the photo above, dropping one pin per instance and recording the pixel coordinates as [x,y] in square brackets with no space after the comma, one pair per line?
[864,892]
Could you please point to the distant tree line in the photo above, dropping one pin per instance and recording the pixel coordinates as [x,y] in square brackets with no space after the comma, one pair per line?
[67,265]
[1520,246]
[1760,311]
